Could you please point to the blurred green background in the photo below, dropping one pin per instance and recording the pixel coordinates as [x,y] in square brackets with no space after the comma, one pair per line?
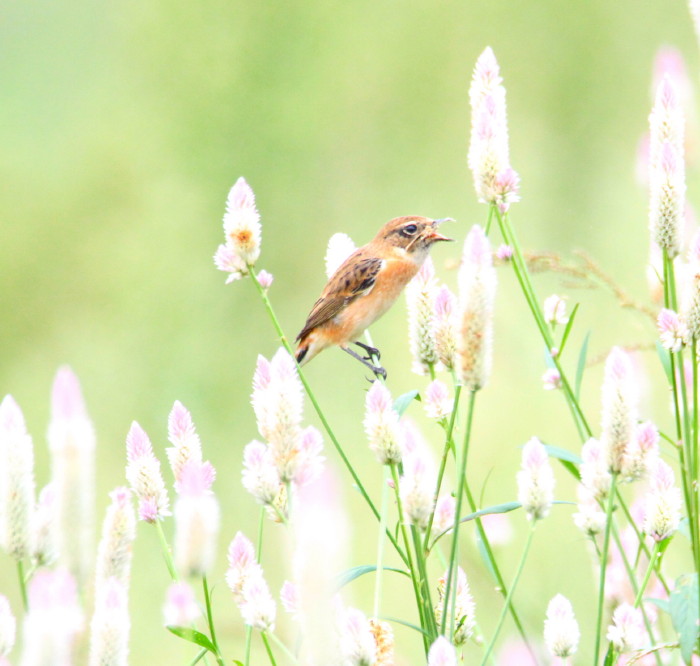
[123,126]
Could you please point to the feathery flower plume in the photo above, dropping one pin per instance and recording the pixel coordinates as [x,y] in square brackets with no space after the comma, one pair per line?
[561,632]
[445,326]
[197,520]
[53,621]
[8,627]
[589,518]
[340,247]
[672,330]
[555,310]
[289,596]
[260,476]
[186,445]
[489,158]
[72,445]
[619,414]
[241,561]
[417,485]
[384,639]
[420,301]
[642,452]
[180,608]
[16,482]
[118,534]
[143,473]
[357,644]
[45,527]
[110,625]
[663,503]
[442,653]
[535,481]
[551,380]
[477,289]
[627,630]
[382,425]
[437,400]
[666,169]
[595,477]
[226,260]
[465,608]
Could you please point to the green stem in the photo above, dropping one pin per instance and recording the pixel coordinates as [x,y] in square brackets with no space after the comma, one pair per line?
[283,647]
[647,574]
[603,566]
[263,635]
[380,542]
[258,551]
[22,585]
[167,553]
[509,597]
[319,411]
[210,620]
[199,657]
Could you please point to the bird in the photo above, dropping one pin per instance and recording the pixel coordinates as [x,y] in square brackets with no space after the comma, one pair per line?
[365,286]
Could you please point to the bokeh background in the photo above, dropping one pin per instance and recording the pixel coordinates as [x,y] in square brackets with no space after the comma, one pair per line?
[123,125]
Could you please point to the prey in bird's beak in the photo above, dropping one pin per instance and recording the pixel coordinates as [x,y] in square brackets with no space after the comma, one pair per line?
[433,235]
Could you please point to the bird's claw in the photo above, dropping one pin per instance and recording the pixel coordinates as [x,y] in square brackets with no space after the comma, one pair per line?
[372,352]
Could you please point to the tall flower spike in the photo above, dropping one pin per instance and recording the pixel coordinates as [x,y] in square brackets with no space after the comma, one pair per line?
[619,414]
[477,290]
[561,632]
[242,223]
[437,401]
[260,476]
[627,630]
[535,481]
[488,157]
[118,534]
[663,503]
[16,482]
[417,485]
[691,303]
[382,425]
[672,331]
[465,608]
[186,445]
[666,169]
[442,653]
[143,473]
[71,439]
[446,327]
[420,301]
[340,247]
[110,625]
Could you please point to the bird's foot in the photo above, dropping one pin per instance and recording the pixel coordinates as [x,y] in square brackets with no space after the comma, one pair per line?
[372,352]
[379,372]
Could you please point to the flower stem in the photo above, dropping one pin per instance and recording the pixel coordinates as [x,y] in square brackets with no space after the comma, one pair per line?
[266,642]
[258,551]
[167,553]
[511,591]
[647,574]
[380,542]
[210,620]
[22,585]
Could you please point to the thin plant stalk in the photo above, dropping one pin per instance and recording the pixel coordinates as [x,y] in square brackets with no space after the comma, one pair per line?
[268,649]
[200,655]
[647,574]
[22,585]
[258,550]
[210,621]
[167,552]
[380,543]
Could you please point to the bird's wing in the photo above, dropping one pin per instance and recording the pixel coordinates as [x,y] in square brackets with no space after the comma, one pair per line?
[354,278]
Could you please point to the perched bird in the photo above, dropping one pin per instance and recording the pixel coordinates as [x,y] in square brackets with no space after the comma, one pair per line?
[365,286]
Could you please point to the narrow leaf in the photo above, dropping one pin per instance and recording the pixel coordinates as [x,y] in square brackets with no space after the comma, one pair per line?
[581,367]
[684,613]
[609,656]
[665,358]
[485,557]
[567,330]
[403,401]
[406,624]
[568,459]
[193,636]
[662,604]
[355,572]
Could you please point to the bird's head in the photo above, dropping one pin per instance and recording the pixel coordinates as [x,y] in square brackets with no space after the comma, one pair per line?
[413,234]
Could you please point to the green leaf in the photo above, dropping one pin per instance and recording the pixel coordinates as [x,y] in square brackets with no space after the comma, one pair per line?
[485,557]
[568,459]
[684,613]
[355,572]
[581,367]
[403,401]
[665,358]
[238,662]
[406,624]
[193,636]
[567,330]
[610,656]
[662,604]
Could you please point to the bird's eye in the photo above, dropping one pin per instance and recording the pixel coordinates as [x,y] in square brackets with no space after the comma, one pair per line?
[409,230]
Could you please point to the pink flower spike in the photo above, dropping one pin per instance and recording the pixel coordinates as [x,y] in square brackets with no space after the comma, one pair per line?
[265,279]
[437,401]
[477,249]
[382,425]
[561,631]
[260,476]
[241,552]
[289,596]
[357,643]
[242,224]
[535,481]
[671,329]
[309,459]
[186,445]
[627,631]
[226,260]
[421,292]
[504,252]
[442,653]
[114,551]
[66,398]
[551,379]
[506,188]
[110,625]
[445,326]
[180,608]
[257,606]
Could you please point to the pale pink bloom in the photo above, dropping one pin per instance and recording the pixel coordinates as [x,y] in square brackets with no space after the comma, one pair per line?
[110,625]
[260,476]
[242,224]
[445,326]
[477,289]
[504,252]
[561,632]
[627,629]
[437,401]
[8,627]
[180,608]
[309,464]
[417,485]
[595,476]
[45,527]
[498,528]
[619,413]
[444,514]
[114,551]
[663,503]
[241,562]
[226,260]
[642,453]
[589,518]
[672,331]
[197,520]
[258,608]
[382,425]
[340,247]
[16,482]
[551,379]
[265,279]
[506,188]
[516,653]
[535,481]
[442,653]
[289,596]
[357,644]
[186,444]
[465,608]
[421,292]
[54,619]
[555,310]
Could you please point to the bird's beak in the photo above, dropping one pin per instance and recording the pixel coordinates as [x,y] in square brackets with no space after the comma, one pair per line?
[433,235]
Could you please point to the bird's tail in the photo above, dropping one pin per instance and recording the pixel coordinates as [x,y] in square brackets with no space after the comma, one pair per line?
[302,351]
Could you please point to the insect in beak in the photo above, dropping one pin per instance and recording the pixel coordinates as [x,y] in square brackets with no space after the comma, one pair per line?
[433,235]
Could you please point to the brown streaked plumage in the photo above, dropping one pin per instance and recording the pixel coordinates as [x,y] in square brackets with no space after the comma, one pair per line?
[365,286]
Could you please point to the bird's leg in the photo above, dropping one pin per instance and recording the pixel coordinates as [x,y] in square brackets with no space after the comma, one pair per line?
[376,369]
[371,351]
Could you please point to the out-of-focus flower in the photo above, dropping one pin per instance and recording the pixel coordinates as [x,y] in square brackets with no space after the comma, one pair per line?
[16,482]
[289,596]
[691,303]
[197,520]
[186,445]
[143,473]
[517,652]
[551,379]
[265,279]
[663,503]
[595,476]
[445,321]
[384,639]
[421,292]
[589,518]
[561,632]
[535,481]
[465,608]
[642,452]
[627,629]
[382,425]
[619,413]
[110,625]
[260,476]
[444,514]
[437,402]
[555,310]
[8,627]
[672,331]
[442,653]
[504,252]
[180,608]
[242,224]
[498,528]
[45,527]
[357,644]
[241,562]
[118,534]
[417,485]
[340,247]
[477,289]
